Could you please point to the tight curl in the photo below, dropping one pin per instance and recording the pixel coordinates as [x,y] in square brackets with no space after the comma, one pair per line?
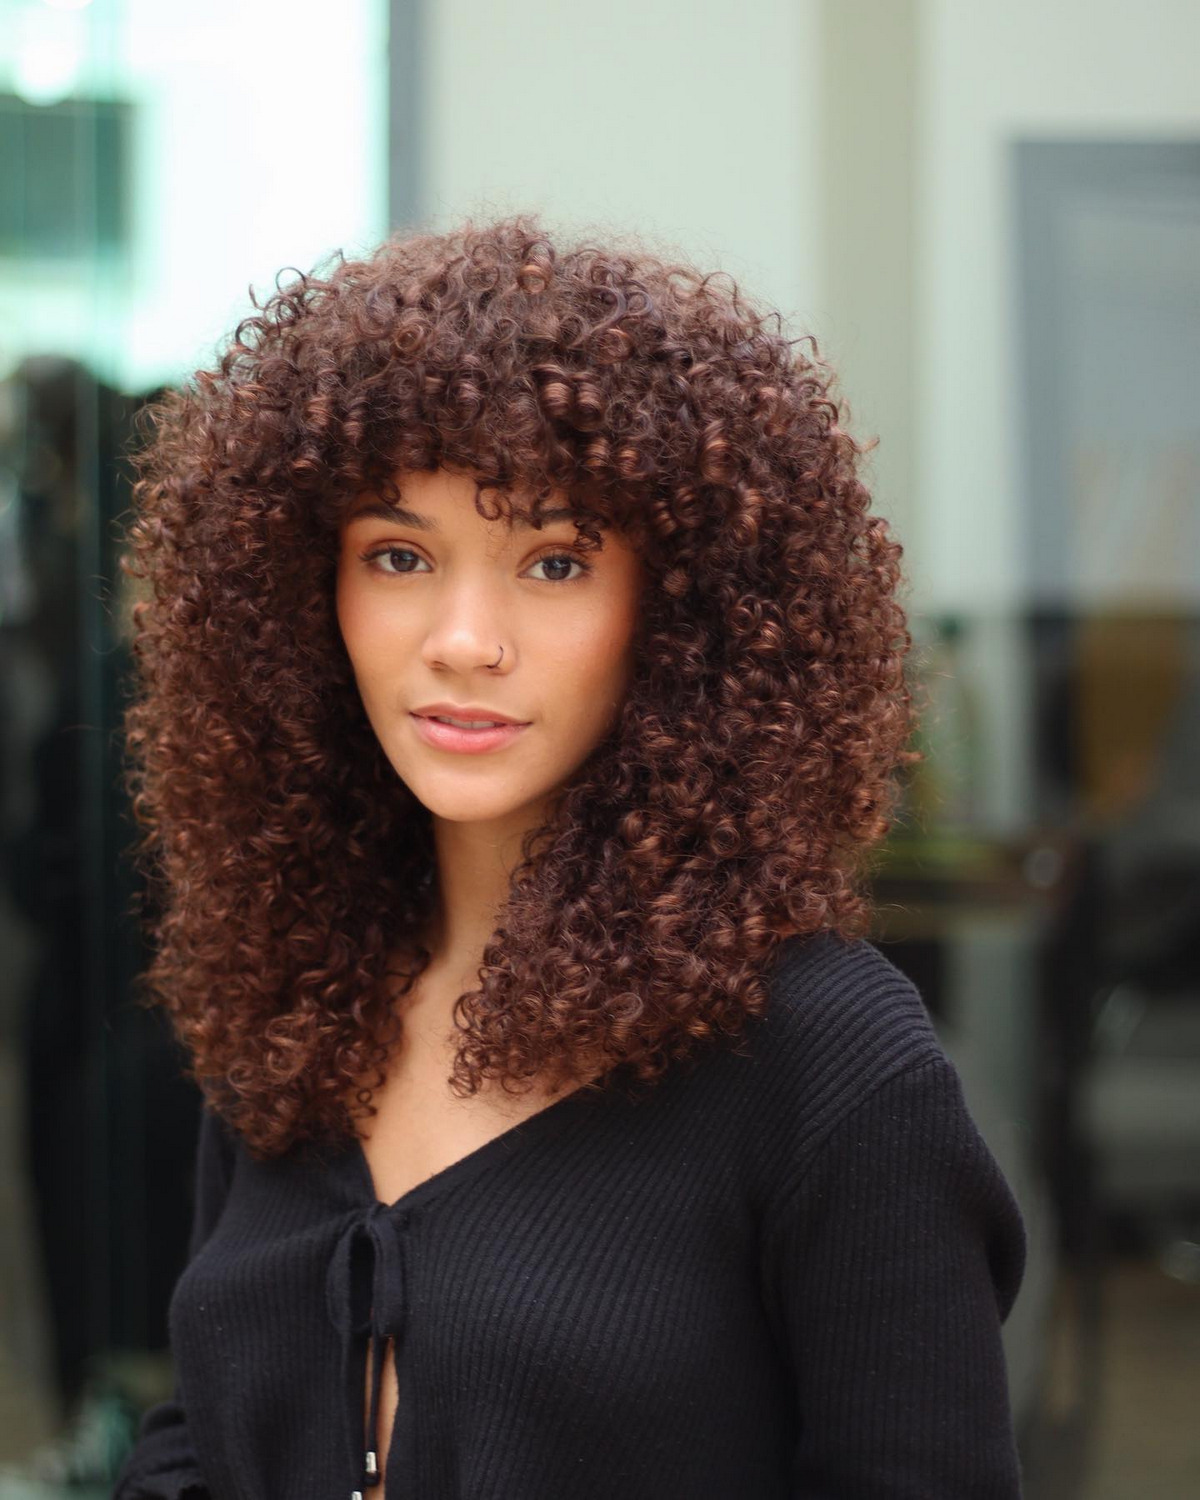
[731,806]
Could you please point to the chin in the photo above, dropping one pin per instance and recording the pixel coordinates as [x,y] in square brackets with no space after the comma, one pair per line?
[482,805]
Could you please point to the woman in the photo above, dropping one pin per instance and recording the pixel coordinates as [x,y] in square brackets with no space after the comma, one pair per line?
[521,686]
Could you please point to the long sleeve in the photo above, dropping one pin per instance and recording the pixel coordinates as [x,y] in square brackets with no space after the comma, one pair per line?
[161,1465]
[891,1262]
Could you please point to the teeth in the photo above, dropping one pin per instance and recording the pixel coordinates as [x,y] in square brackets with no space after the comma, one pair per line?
[466,723]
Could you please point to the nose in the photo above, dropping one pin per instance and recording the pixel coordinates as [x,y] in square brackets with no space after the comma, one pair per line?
[467,628]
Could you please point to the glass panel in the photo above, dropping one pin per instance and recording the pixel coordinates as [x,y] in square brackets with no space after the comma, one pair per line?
[151,165]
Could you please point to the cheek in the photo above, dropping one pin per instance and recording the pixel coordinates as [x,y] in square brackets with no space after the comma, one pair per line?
[347,609]
[597,661]
[363,628]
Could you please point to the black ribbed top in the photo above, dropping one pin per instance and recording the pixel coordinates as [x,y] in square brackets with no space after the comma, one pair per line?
[780,1271]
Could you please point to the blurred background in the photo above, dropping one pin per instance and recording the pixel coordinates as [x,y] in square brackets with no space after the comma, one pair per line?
[988,213]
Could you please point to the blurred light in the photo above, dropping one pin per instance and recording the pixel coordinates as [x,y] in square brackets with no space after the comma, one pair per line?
[1118,1018]
[1043,866]
[1181,1259]
[44,75]
[50,52]
[67,4]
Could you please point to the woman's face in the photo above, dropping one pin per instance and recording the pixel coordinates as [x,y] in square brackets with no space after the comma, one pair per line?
[427,595]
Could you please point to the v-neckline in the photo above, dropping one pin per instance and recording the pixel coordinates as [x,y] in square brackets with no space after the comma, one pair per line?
[498,1148]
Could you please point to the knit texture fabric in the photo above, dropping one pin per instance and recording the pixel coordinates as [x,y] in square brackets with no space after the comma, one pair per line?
[780,1271]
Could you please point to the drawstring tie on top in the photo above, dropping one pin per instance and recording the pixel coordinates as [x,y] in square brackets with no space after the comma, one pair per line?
[367,1294]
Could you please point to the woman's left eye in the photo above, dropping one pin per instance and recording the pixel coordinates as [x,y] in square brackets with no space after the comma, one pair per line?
[564,557]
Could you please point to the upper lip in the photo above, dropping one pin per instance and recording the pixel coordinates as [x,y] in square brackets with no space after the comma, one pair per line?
[469,711]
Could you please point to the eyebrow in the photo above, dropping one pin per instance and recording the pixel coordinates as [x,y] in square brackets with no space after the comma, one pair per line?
[384,511]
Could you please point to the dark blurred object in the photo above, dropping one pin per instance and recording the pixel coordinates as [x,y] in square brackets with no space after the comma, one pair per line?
[1122,689]
[1067,960]
[108,1118]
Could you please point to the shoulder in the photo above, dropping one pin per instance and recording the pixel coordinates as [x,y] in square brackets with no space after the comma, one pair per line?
[837,995]
[841,1021]
[864,1126]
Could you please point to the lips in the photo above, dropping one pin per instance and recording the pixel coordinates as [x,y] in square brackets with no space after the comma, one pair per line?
[465,723]
[465,711]
[465,741]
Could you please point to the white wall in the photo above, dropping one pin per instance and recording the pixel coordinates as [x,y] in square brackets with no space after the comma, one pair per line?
[863,123]
[686,124]
[993,71]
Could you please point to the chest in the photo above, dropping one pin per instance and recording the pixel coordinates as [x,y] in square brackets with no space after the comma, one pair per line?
[420,1127]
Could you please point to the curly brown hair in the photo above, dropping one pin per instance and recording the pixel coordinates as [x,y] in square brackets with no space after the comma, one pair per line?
[735,799]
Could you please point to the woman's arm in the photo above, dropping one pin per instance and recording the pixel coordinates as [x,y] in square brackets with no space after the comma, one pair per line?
[891,1262]
[161,1465]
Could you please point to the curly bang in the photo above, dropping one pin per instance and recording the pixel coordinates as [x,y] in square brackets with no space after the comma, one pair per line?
[735,799]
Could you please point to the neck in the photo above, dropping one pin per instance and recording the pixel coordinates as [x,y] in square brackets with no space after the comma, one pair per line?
[473,877]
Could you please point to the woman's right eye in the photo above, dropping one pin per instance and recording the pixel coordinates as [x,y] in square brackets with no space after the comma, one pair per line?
[393,556]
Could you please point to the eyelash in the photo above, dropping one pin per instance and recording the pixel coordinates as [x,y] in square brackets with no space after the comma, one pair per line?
[370,557]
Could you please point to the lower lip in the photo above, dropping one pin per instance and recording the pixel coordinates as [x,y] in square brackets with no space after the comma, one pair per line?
[466,741]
